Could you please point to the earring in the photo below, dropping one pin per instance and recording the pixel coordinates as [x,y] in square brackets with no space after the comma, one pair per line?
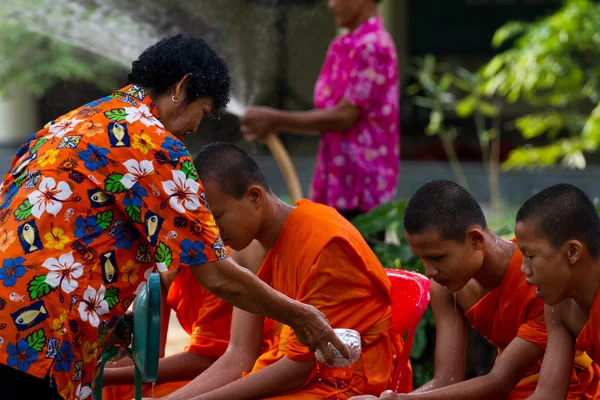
[174,99]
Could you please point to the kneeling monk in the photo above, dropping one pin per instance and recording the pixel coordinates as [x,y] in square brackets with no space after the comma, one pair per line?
[316,257]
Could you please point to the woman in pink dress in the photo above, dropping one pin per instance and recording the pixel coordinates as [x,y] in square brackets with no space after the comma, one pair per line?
[356,114]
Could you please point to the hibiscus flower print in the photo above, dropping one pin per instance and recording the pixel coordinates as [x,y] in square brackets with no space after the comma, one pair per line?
[6,239]
[192,253]
[61,128]
[59,324]
[174,147]
[12,268]
[134,196]
[143,143]
[141,113]
[130,272]
[49,197]
[90,129]
[55,239]
[48,158]
[182,192]
[21,355]
[94,157]
[87,229]
[64,272]
[93,305]
[83,392]
[136,171]
[64,358]
[90,351]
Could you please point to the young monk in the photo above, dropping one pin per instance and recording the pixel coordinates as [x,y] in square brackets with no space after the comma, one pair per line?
[316,257]
[476,279]
[558,231]
[205,317]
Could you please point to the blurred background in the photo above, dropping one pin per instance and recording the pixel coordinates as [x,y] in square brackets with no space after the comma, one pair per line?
[501,96]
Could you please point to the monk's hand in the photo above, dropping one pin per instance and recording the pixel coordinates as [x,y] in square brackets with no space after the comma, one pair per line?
[258,122]
[313,330]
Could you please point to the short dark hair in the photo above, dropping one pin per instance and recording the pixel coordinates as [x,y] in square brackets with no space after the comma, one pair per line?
[378,1]
[445,207]
[563,212]
[166,62]
[230,167]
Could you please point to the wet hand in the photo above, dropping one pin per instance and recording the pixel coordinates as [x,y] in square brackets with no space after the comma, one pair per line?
[313,330]
[258,122]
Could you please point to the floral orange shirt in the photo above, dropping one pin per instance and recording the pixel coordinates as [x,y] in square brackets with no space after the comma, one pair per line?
[92,204]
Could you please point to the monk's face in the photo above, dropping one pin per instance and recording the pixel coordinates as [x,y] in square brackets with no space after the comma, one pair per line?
[239,220]
[546,267]
[449,263]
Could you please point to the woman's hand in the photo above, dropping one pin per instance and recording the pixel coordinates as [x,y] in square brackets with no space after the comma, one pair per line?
[259,122]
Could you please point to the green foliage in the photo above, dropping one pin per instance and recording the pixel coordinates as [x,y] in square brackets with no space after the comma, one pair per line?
[552,66]
[35,62]
[457,92]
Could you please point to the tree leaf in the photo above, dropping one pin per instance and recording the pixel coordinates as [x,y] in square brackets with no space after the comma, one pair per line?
[38,287]
[134,213]
[163,254]
[113,183]
[466,107]
[23,211]
[37,340]
[104,219]
[116,114]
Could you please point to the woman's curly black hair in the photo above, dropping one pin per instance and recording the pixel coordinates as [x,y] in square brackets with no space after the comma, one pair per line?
[166,62]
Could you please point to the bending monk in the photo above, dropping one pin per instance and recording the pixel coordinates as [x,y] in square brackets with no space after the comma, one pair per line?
[315,257]
[476,278]
[205,317]
[558,231]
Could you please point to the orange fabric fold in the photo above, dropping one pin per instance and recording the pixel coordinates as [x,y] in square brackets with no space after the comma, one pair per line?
[589,338]
[512,310]
[335,271]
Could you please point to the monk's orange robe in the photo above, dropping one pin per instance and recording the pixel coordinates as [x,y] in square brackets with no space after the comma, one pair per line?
[322,260]
[205,317]
[512,310]
[589,338]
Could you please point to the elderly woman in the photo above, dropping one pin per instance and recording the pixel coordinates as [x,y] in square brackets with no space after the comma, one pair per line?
[97,200]
[356,113]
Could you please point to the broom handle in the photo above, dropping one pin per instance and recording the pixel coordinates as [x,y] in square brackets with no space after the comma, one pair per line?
[283,159]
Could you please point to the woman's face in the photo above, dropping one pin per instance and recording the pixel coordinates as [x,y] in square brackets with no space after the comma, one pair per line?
[180,116]
[346,11]
[184,118]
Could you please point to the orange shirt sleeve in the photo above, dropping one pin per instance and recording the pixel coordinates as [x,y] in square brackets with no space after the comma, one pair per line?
[158,188]
[339,286]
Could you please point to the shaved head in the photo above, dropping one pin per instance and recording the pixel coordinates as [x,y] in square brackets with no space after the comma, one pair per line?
[445,207]
[230,167]
[561,213]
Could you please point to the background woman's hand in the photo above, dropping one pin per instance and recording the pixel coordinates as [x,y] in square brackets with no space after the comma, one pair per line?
[258,122]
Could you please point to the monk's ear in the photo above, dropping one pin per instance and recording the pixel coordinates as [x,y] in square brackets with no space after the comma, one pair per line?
[475,237]
[574,250]
[256,195]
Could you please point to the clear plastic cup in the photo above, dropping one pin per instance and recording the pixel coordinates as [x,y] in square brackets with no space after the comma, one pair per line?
[351,339]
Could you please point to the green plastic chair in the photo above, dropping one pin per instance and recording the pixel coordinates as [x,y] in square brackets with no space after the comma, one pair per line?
[145,350]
